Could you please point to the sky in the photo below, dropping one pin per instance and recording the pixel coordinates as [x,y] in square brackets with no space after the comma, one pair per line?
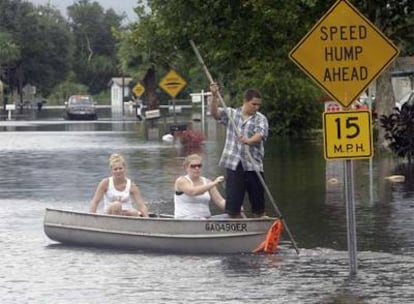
[119,6]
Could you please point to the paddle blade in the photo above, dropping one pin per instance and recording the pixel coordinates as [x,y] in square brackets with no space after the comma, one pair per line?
[269,245]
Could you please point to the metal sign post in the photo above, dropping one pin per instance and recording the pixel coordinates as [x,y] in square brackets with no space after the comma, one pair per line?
[202,111]
[200,98]
[350,216]
[371,178]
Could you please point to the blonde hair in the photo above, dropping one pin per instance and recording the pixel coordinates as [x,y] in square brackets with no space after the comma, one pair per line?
[190,158]
[116,158]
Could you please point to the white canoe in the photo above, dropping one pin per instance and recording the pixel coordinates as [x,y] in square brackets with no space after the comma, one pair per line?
[156,233]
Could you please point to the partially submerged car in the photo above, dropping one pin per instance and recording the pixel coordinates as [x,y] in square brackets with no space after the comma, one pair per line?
[80,107]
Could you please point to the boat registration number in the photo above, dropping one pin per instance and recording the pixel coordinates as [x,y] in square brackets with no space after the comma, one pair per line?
[225,227]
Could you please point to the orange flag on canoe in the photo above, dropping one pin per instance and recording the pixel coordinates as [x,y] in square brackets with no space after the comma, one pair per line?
[269,245]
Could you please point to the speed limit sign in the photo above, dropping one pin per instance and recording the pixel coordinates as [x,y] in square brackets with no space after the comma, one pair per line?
[347,135]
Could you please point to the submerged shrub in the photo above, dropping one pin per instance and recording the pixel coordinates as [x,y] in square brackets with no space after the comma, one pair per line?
[399,131]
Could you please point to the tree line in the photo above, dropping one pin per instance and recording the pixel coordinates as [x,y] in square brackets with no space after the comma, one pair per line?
[59,56]
[245,43]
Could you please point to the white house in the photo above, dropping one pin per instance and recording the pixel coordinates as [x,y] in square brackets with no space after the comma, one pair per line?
[403,77]
[116,91]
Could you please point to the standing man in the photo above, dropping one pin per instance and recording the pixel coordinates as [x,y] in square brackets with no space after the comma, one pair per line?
[252,130]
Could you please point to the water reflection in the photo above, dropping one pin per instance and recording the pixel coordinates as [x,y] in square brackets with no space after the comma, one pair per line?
[242,265]
[55,163]
[344,295]
[66,159]
[407,187]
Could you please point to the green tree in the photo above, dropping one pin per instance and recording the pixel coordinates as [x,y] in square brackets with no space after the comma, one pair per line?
[145,49]
[9,52]
[47,48]
[95,56]
[396,20]
[246,43]
[241,43]
[43,38]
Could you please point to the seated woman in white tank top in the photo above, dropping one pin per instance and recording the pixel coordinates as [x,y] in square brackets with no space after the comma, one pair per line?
[118,192]
[194,192]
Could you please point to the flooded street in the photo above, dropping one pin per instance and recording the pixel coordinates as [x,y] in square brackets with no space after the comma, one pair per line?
[58,164]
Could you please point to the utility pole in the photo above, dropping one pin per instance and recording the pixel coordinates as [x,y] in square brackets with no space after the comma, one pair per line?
[123,94]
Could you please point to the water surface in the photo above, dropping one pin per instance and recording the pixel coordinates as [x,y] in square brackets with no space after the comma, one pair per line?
[58,164]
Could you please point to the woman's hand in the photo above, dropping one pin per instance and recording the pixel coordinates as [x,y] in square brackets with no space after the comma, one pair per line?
[219,179]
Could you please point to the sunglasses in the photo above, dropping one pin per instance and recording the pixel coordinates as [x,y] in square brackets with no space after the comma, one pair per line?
[196,166]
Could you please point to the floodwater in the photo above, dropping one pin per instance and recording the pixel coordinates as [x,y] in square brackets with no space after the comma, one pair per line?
[48,162]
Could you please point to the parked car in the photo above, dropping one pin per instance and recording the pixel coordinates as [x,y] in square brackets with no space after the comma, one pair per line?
[80,107]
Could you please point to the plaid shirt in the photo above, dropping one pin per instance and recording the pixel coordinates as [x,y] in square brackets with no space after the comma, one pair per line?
[234,151]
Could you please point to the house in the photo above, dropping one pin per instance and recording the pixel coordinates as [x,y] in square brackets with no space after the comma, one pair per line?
[403,77]
[119,86]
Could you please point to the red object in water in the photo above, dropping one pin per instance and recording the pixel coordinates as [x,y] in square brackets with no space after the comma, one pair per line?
[192,140]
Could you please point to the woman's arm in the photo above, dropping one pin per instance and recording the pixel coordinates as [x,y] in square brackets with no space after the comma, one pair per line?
[217,198]
[99,193]
[139,201]
[184,185]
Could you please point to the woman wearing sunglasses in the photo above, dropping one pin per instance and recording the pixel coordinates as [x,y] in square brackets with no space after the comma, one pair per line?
[193,192]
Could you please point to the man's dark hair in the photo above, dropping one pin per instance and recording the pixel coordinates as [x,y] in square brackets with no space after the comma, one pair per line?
[252,93]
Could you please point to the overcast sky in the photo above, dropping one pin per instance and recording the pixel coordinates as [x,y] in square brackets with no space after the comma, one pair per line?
[119,6]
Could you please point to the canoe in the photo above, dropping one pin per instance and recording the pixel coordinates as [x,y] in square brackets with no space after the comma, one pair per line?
[156,233]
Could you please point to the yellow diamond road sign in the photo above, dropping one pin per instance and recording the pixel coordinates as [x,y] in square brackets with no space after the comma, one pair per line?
[347,134]
[344,52]
[138,90]
[172,83]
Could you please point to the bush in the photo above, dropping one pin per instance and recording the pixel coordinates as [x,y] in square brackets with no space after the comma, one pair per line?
[399,131]
[63,91]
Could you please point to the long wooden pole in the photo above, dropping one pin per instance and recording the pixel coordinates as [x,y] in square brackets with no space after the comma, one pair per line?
[223,104]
